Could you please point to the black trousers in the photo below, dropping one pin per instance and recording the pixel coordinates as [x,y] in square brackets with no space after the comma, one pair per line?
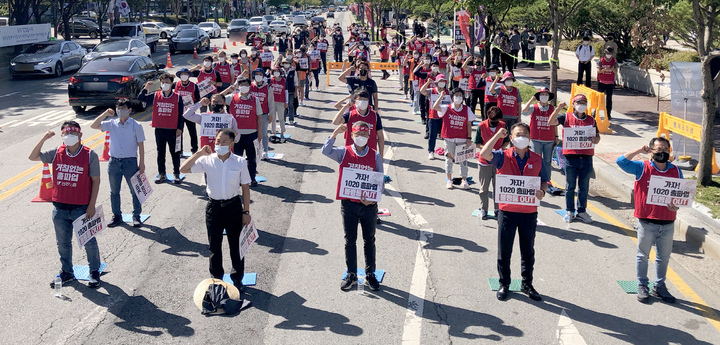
[477,97]
[354,213]
[226,216]
[165,138]
[514,53]
[608,90]
[323,58]
[508,63]
[337,51]
[525,224]
[246,146]
[424,109]
[192,131]
[584,67]
[406,84]
[385,73]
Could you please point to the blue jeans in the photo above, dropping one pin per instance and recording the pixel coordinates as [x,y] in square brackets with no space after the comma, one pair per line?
[545,149]
[435,127]
[660,235]
[416,101]
[117,169]
[63,219]
[577,173]
[290,111]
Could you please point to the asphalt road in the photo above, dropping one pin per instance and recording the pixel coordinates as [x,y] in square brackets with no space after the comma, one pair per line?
[436,257]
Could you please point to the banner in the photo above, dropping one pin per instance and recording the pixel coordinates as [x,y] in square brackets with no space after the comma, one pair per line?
[141,186]
[517,190]
[463,153]
[479,28]
[23,34]
[266,56]
[578,138]
[464,22]
[86,229]
[303,62]
[212,123]
[356,183]
[368,14]
[667,190]
[248,236]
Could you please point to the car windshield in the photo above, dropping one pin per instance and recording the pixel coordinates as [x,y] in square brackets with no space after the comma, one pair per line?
[124,31]
[269,17]
[187,33]
[106,65]
[89,23]
[206,25]
[238,22]
[278,22]
[111,46]
[43,48]
[182,27]
[162,25]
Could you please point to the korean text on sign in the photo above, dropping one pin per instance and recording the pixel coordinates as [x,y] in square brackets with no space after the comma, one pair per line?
[667,190]
[141,186]
[86,229]
[303,62]
[266,56]
[212,123]
[463,153]
[205,87]
[575,138]
[248,236]
[356,183]
[517,190]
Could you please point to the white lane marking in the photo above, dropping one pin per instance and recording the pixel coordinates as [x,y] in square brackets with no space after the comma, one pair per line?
[89,322]
[567,333]
[10,94]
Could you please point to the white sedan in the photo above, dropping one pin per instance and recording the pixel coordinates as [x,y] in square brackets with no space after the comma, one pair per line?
[119,47]
[211,28]
[279,26]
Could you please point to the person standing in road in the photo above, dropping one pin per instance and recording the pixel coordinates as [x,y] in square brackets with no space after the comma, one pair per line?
[435,88]
[357,156]
[508,98]
[485,131]
[544,137]
[477,84]
[227,174]
[76,182]
[585,53]
[338,44]
[248,112]
[217,106]
[606,71]
[322,45]
[190,94]
[359,110]
[362,80]
[491,97]
[127,138]
[291,85]
[204,72]
[261,91]
[280,104]
[656,224]
[457,122]
[168,123]
[515,41]
[519,161]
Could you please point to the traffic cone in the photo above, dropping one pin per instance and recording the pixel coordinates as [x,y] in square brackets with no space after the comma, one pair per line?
[45,186]
[215,48]
[195,57]
[106,147]
[234,44]
[224,46]
[169,62]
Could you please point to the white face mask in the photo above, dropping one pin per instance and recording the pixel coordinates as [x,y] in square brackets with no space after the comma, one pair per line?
[581,108]
[244,89]
[222,150]
[435,68]
[70,139]
[360,140]
[165,86]
[184,77]
[287,65]
[276,74]
[492,74]
[586,43]
[521,142]
[458,100]
[361,104]
[207,63]
[243,56]
[608,56]
[441,84]
[426,61]
[544,98]
[122,113]
[259,78]
[508,83]
[222,59]
[298,55]
[234,61]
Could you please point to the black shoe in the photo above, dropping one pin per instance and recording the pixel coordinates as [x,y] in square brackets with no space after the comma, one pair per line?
[348,282]
[502,292]
[66,278]
[377,220]
[662,293]
[643,295]
[239,286]
[177,180]
[94,279]
[136,222]
[253,184]
[116,220]
[162,178]
[530,291]
[426,136]
[372,282]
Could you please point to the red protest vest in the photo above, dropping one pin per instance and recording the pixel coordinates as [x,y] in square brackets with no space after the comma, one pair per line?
[429,46]
[442,60]
[224,70]
[244,112]
[354,161]
[165,111]
[418,46]
[539,128]
[476,78]
[489,97]
[572,121]
[257,42]
[640,193]
[238,68]
[385,54]
[278,87]
[486,133]
[510,167]
[609,76]
[314,61]
[432,114]
[371,119]
[71,177]
[187,90]
[508,101]
[455,123]
[208,75]
[261,93]
[266,64]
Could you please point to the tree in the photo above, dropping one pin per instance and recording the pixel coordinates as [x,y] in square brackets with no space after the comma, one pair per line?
[560,11]
[19,11]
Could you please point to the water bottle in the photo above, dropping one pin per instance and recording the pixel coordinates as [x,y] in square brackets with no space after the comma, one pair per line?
[58,286]
[567,223]
[479,219]
[361,285]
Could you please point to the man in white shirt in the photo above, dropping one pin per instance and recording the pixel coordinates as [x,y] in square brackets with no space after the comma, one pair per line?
[226,173]
[585,53]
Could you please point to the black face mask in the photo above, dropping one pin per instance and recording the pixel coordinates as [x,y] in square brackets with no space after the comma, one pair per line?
[661,157]
[494,123]
[363,72]
[218,108]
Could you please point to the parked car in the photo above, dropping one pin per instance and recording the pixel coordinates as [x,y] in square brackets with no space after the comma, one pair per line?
[298,20]
[280,26]
[182,27]
[253,30]
[319,20]
[136,31]
[331,14]
[190,39]
[237,30]
[102,81]
[158,28]
[117,48]
[211,28]
[83,27]
[270,18]
[48,58]
[258,21]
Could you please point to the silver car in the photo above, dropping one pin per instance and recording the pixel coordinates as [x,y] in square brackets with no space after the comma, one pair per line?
[158,28]
[212,29]
[48,58]
[119,47]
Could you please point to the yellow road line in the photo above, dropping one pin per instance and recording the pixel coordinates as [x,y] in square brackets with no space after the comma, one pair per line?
[671,275]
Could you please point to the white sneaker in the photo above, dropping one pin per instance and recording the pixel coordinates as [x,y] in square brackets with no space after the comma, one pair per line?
[264,156]
[585,217]
[431,155]
[449,184]
[465,184]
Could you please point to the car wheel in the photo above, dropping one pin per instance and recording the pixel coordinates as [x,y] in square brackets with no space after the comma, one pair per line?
[141,106]
[163,35]
[93,34]
[58,69]
[78,109]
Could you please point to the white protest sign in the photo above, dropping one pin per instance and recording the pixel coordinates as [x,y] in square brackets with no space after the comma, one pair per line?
[212,123]
[187,102]
[455,71]
[248,236]
[578,138]
[464,84]
[86,229]
[178,143]
[517,190]
[258,146]
[266,56]
[322,46]
[444,103]
[463,153]
[667,190]
[356,183]
[23,34]
[141,186]
[315,54]
[303,62]
[205,87]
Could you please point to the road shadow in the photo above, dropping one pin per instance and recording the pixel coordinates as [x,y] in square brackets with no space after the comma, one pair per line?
[302,167]
[398,144]
[293,196]
[425,200]
[575,236]
[176,243]
[436,241]
[415,166]
[195,189]
[282,244]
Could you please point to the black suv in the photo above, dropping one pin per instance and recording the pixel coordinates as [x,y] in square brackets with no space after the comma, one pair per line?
[83,27]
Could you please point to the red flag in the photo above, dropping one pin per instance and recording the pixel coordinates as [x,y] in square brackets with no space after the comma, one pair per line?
[464,22]
[368,14]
